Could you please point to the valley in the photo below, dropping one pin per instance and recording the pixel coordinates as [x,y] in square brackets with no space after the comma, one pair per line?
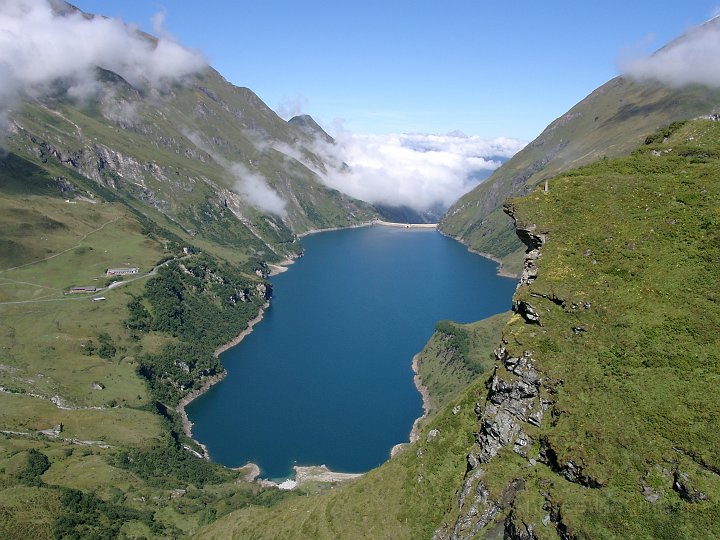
[580,406]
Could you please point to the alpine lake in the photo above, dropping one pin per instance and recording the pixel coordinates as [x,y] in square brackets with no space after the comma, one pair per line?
[326,376]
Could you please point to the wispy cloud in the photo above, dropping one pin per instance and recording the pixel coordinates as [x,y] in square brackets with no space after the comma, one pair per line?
[290,107]
[250,185]
[42,43]
[691,59]
[416,170]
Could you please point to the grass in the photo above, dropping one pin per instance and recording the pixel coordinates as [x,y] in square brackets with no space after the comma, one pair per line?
[116,426]
[446,370]
[27,512]
[629,389]
[631,256]
[44,328]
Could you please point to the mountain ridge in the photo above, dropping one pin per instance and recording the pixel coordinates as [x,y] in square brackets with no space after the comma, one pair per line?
[610,121]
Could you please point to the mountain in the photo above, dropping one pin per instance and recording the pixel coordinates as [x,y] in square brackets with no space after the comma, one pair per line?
[594,420]
[186,188]
[594,423]
[610,122]
[199,149]
[405,214]
[308,124]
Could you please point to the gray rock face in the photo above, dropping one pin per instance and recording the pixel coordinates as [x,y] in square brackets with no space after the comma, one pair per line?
[512,400]
[263,290]
[517,530]
[513,404]
[480,511]
[684,486]
[651,495]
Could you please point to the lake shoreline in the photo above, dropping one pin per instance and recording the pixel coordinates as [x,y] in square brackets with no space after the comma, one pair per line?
[211,381]
[424,393]
[275,269]
[303,475]
[370,224]
[426,405]
[280,267]
[324,474]
[501,266]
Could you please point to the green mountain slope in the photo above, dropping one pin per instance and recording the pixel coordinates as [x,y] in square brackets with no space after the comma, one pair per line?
[201,152]
[597,422]
[610,122]
[598,419]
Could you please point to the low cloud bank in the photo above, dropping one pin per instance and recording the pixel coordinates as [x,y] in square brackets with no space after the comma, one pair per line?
[43,43]
[414,170]
[691,59]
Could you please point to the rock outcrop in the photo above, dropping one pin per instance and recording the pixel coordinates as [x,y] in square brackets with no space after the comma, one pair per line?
[515,403]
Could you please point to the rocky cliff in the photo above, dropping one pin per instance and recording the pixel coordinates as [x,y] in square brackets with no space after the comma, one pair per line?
[594,423]
[515,405]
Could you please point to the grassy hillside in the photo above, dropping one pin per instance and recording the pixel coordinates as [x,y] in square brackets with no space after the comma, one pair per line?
[596,418]
[598,422]
[610,122]
[79,406]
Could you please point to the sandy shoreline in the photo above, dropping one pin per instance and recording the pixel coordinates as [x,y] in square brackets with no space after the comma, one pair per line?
[187,425]
[279,268]
[405,225]
[303,475]
[321,473]
[329,229]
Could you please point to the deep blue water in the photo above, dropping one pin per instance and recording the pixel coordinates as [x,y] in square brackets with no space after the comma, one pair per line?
[326,377]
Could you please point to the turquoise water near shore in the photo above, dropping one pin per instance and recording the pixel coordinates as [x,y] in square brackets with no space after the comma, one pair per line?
[326,377]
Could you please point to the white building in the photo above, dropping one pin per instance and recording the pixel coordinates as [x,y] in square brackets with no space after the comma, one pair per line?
[121,271]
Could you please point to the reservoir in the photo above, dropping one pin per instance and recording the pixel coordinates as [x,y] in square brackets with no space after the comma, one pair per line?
[326,377]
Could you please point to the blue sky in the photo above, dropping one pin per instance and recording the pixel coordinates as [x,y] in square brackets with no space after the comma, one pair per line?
[486,68]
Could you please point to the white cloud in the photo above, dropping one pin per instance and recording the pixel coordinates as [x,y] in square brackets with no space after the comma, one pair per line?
[691,59]
[290,107]
[39,46]
[256,191]
[252,186]
[415,170]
